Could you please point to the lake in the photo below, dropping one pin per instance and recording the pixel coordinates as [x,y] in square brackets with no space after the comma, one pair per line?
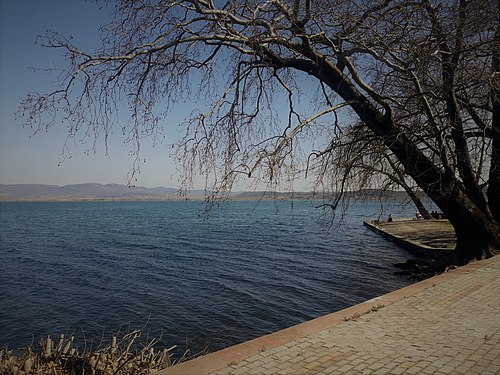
[249,269]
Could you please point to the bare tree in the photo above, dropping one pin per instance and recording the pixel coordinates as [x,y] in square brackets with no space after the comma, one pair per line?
[422,76]
[363,161]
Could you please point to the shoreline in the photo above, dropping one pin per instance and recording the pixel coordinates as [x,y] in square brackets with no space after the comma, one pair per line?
[194,198]
[270,352]
[393,231]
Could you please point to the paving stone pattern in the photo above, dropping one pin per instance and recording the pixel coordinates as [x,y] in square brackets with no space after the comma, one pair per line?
[452,327]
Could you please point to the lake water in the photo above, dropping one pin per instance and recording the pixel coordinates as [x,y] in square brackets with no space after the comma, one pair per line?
[251,268]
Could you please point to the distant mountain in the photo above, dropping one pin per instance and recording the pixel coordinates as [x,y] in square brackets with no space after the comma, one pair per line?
[92,191]
[87,191]
[272,195]
[359,194]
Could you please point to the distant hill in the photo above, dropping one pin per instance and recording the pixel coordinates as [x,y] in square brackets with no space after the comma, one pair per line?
[359,194]
[92,191]
[87,191]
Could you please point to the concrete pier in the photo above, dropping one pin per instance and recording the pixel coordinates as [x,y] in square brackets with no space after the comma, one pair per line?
[420,237]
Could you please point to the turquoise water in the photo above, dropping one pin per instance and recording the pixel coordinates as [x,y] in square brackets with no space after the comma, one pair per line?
[249,269]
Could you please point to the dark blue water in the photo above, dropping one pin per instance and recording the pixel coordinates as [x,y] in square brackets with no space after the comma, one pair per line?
[250,269]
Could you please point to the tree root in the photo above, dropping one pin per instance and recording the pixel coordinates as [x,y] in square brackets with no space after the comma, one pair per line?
[423,268]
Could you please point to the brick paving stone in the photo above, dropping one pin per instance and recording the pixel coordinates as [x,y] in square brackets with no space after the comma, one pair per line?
[356,361]
[461,370]
[252,359]
[267,372]
[254,371]
[226,371]
[399,370]
[481,369]
[493,368]
[240,371]
[360,366]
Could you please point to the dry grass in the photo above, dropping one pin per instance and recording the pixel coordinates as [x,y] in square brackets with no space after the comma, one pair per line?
[122,355]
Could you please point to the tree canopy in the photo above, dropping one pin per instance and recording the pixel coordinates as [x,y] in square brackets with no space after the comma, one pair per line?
[405,90]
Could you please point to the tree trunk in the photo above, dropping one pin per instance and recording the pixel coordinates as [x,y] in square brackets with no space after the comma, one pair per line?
[477,235]
[415,198]
[399,178]
[477,232]
[418,203]
[493,192]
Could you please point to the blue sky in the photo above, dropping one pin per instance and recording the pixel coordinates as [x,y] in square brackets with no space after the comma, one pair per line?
[35,160]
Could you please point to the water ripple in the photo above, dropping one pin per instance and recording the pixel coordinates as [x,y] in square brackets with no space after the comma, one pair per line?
[251,269]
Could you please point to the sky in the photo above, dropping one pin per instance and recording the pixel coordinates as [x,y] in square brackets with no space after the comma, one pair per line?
[35,159]
[26,158]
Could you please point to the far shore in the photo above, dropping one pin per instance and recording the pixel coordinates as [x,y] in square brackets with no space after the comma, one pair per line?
[103,199]
[92,192]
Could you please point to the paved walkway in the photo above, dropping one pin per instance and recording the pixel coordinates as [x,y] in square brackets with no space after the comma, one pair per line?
[448,324]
